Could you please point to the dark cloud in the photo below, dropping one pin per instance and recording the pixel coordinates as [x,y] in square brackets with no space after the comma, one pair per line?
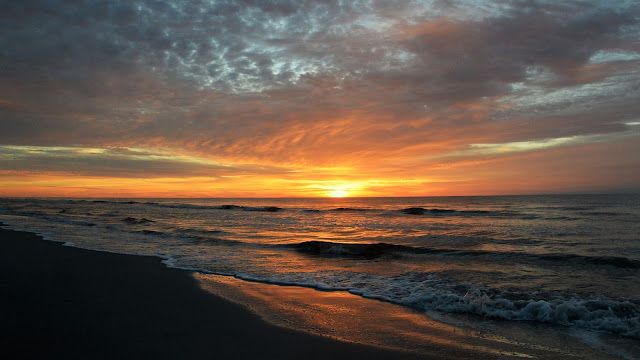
[465,60]
[118,162]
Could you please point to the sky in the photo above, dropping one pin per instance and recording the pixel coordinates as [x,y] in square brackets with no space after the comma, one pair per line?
[208,98]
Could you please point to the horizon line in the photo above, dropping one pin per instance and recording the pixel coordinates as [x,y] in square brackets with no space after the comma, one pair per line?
[327,197]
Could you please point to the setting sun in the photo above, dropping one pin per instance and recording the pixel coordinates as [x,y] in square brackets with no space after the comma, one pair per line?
[340,189]
[338,193]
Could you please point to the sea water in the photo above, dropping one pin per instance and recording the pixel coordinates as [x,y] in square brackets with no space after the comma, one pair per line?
[567,261]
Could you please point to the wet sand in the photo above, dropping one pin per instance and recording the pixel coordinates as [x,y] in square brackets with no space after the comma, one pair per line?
[348,317]
[63,302]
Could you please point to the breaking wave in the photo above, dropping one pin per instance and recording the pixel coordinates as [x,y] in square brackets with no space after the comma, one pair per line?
[184,206]
[440,211]
[135,221]
[328,248]
[428,292]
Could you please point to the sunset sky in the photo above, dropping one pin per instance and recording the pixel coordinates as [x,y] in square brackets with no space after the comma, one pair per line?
[318,98]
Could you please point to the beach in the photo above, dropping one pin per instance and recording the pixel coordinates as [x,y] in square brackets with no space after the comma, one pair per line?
[64,302]
[483,277]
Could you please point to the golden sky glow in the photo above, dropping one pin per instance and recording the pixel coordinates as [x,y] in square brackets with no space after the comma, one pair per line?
[454,174]
[335,99]
[338,193]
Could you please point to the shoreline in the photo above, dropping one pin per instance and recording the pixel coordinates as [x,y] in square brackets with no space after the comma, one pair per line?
[80,302]
[67,302]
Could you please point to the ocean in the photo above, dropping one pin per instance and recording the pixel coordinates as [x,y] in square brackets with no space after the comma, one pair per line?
[569,262]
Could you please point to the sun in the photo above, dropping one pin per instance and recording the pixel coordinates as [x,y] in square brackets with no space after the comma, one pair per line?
[339,189]
[338,193]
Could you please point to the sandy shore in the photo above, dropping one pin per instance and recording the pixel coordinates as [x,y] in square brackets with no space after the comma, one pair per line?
[63,302]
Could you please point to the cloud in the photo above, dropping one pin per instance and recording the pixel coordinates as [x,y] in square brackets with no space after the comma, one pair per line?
[287,84]
[119,163]
[536,145]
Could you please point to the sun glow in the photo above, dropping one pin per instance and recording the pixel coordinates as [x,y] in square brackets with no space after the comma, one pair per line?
[338,193]
[343,189]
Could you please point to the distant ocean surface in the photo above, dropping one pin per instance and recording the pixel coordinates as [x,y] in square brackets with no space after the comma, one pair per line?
[570,261]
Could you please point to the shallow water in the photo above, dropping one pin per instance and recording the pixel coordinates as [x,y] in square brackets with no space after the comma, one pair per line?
[565,261]
[347,317]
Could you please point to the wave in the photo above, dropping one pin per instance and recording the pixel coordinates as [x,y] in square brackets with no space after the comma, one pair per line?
[599,213]
[218,207]
[245,208]
[363,250]
[441,211]
[351,209]
[409,211]
[348,249]
[182,230]
[422,211]
[570,208]
[150,232]
[373,250]
[406,211]
[194,236]
[208,240]
[428,293]
[614,261]
[435,292]
[183,206]
[136,221]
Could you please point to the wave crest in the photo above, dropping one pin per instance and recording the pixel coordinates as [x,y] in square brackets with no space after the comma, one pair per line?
[428,292]
[348,249]
[373,250]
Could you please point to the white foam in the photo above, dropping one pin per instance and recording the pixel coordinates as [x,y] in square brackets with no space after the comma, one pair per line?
[432,293]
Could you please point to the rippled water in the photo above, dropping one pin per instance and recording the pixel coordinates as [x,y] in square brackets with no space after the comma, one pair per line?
[570,261]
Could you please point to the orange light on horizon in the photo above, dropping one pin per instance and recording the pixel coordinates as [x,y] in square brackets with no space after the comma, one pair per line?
[302,185]
[338,193]
[340,189]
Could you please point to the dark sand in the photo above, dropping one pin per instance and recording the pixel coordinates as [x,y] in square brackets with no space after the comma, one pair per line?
[63,302]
